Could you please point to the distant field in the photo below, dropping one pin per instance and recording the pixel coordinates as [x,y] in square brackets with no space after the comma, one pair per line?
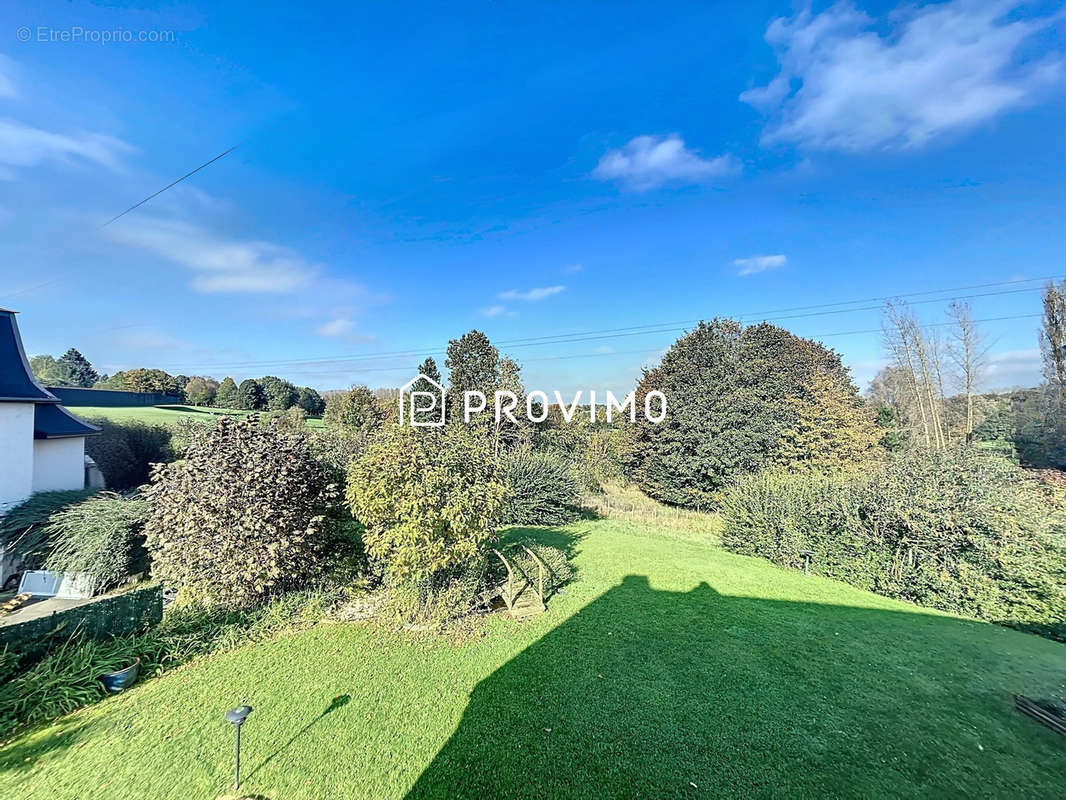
[150,414]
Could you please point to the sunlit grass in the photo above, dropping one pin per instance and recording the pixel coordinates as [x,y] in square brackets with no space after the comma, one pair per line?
[669,668]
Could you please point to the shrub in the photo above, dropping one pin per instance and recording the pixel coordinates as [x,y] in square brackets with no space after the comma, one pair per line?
[541,489]
[100,536]
[125,451]
[356,408]
[24,529]
[430,503]
[245,515]
[954,530]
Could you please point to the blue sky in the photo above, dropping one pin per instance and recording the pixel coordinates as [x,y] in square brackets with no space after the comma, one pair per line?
[407,172]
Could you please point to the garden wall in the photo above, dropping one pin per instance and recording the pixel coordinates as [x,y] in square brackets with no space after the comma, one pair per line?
[100,618]
[76,396]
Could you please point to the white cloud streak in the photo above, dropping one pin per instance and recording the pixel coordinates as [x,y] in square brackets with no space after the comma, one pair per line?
[755,264]
[648,162]
[218,264]
[937,68]
[531,295]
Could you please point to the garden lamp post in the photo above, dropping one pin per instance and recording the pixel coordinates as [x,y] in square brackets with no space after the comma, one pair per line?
[236,717]
[807,554]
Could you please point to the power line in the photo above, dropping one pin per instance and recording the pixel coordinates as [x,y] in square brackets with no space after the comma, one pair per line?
[408,368]
[636,330]
[169,185]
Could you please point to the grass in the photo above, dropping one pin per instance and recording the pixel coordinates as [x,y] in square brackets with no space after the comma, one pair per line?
[163,414]
[670,668]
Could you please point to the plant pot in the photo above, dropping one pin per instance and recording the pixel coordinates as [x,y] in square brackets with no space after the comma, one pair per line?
[121,679]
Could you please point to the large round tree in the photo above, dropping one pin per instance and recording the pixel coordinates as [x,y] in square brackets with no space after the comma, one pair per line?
[732,395]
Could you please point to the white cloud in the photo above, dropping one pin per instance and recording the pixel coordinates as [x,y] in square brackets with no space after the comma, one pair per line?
[342,326]
[939,67]
[22,145]
[531,295]
[218,264]
[1013,368]
[494,311]
[647,162]
[754,264]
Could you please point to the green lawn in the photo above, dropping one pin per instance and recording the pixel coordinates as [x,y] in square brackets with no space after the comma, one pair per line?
[151,414]
[668,669]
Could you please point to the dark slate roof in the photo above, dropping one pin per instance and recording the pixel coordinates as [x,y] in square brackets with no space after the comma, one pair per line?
[17,383]
[55,422]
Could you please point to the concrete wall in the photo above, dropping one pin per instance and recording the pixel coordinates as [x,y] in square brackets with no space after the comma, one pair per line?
[16,453]
[58,464]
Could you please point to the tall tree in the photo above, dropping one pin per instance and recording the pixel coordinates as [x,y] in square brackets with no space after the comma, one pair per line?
[916,355]
[1053,341]
[430,371]
[728,391]
[227,394]
[80,370]
[280,394]
[310,401]
[969,353]
[250,395]
[50,372]
[355,408]
[473,365]
[200,391]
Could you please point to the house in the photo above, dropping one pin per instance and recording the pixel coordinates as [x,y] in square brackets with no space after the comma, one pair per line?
[42,445]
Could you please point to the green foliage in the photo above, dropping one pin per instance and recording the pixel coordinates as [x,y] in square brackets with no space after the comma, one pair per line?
[227,395]
[541,489]
[244,516]
[473,365]
[24,528]
[49,372]
[357,409]
[68,677]
[125,451]
[78,368]
[200,391]
[142,380]
[728,391]
[954,530]
[430,502]
[100,536]
[280,394]
[310,401]
[250,395]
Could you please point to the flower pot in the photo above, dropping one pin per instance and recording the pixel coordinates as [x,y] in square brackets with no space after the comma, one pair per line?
[121,679]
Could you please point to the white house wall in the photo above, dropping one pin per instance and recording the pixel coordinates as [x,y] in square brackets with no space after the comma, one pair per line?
[16,453]
[58,463]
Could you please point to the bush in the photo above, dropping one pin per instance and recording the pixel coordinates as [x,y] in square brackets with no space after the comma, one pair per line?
[100,536]
[125,451]
[24,529]
[247,514]
[541,489]
[954,530]
[430,503]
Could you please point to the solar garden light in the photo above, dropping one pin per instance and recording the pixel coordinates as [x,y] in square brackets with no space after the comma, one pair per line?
[236,718]
[807,554]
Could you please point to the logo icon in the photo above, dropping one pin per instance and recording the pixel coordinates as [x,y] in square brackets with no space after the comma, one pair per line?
[425,409]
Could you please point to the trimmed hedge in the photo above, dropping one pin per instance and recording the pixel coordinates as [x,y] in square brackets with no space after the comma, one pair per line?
[957,530]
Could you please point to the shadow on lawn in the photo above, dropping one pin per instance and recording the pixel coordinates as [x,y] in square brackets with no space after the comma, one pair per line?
[338,702]
[645,693]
